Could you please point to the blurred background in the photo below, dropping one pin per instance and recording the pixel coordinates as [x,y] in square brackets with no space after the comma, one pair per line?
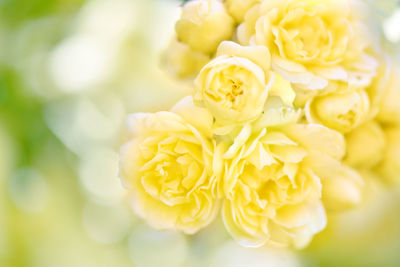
[70,72]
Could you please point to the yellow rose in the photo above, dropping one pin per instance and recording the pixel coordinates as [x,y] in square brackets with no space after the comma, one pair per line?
[340,111]
[182,62]
[311,42]
[390,165]
[274,180]
[234,86]
[238,8]
[365,145]
[204,24]
[167,167]
[341,185]
[389,112]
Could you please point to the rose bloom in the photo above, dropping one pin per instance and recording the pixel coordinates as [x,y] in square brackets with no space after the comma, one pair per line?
[204,24]
[234,86]
[339,111]
[182,62]
[312,42]
[167,167]
[277,178]
[365,145]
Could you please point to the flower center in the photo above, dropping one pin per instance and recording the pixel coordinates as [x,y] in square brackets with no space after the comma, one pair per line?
[229,88]
[171,171]
[235,90]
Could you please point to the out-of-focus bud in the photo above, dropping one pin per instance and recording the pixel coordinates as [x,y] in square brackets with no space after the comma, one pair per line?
[239,8]
[390,166]
[182,62]
[340,111]
[204,24]
[390,109]
[342,192]
[342,185]
[365,145]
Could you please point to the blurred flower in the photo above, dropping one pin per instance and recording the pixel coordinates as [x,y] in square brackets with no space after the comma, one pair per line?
[389,112]
[390,165]
[234,86]
[182,62]
[365,145]
[239,8]
[204,24]
[379,84]
[167,167]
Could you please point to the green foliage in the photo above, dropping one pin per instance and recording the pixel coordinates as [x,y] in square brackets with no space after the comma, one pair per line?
[15,12]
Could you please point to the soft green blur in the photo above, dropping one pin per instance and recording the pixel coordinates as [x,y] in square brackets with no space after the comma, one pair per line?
[70,72]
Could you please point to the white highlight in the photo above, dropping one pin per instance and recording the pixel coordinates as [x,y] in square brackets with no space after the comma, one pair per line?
[391,27]
[79,63]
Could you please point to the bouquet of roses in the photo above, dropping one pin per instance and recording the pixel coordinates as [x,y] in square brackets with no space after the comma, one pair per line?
[293,101]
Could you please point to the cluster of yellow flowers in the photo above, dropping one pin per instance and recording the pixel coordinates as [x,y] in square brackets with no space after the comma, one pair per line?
[292,101]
